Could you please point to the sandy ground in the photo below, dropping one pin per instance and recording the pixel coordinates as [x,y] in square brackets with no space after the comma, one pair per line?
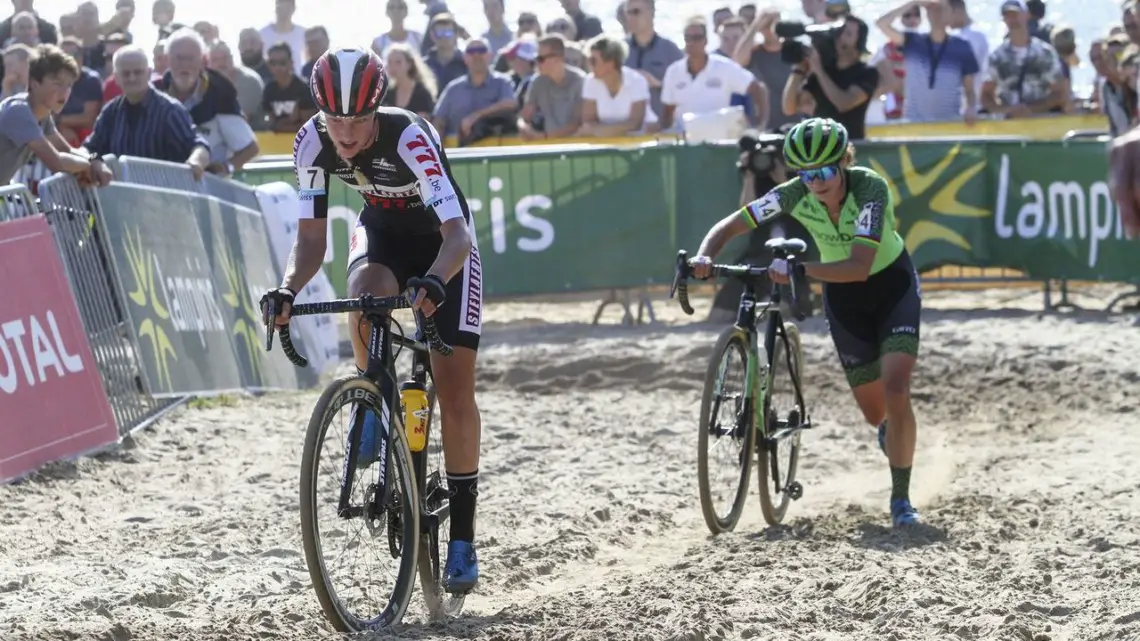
[590,526]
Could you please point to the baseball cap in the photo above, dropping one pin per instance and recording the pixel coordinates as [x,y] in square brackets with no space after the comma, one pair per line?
[1014,5]
[476,45]
[527,49]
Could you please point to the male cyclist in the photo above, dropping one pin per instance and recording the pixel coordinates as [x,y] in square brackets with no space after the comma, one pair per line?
[415,224]
[870,288]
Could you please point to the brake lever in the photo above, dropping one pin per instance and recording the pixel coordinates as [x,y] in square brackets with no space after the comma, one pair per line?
[271,326]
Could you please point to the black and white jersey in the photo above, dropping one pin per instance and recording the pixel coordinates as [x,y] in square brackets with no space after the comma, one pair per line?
[404,176]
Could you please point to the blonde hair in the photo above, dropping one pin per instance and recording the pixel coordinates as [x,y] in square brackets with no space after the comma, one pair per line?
[610,49]
[417,68]
[848,159]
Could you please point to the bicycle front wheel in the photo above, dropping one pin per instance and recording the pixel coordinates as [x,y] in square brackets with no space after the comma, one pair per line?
[783,407]
[364,520]
[727,434]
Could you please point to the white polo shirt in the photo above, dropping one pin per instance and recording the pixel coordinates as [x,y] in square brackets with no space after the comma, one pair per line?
[709,91]
[613,109]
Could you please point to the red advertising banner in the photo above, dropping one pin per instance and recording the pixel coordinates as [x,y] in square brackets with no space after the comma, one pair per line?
[52,402]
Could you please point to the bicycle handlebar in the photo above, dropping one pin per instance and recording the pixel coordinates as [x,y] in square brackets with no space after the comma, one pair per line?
[364,304]
[684,271]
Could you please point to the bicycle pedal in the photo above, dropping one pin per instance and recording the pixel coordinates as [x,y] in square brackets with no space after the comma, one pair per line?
[795,490]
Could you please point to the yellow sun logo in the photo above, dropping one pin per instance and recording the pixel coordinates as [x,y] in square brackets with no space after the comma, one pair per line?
[146,297]
[947,174]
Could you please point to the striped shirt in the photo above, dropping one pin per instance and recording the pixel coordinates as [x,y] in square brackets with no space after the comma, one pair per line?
[159,127]
[934,74]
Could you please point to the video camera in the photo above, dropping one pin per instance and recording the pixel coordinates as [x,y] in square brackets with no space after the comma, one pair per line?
[822,37]
[763,149]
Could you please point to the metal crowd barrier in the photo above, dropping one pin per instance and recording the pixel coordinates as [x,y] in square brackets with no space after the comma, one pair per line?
[70,211]
[172,175]
[16,201]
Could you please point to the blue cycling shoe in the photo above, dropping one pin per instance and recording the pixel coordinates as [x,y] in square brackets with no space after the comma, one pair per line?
[461,572]
[369,443]
[903,513]
[883,437]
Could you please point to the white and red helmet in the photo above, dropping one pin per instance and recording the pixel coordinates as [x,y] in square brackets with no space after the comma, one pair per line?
[348,82]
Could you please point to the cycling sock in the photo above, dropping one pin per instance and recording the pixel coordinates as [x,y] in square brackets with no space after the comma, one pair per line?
[900,483]
[463,489]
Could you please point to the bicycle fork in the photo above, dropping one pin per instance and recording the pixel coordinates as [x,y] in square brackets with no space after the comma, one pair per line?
[379,345]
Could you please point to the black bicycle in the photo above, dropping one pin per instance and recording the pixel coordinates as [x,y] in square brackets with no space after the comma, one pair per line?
[753,402]
[399,503]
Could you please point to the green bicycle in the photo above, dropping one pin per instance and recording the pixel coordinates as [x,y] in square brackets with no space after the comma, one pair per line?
[763,396]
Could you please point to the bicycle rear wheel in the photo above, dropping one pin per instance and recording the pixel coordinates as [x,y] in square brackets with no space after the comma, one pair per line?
[783,407]
[732,435]
[375,523]
[431,479]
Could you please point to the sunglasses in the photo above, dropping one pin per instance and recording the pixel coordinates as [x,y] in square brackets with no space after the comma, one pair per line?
[543,58]
[824,173]
[476,51]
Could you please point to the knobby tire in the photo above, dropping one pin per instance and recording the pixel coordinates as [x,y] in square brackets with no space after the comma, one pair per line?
[323,413]
[731,339]
[778,367]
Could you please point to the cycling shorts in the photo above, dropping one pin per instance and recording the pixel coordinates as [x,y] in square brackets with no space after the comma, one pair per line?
[877,316]
[408,255]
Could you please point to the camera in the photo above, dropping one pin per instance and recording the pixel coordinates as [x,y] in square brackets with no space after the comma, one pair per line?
[822,37]
[763,149]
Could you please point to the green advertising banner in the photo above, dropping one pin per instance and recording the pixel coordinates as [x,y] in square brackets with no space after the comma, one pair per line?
[192,268]
[571,222]
[172,302]
[1054,215]
[238,247]
[601,218]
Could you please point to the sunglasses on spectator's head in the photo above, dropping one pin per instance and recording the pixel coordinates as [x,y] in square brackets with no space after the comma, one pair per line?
[824,173]
[476,50]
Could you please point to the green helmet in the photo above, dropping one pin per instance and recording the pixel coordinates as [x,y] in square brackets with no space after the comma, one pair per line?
[815,142]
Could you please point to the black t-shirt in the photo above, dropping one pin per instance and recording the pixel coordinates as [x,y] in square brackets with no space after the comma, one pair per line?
[283,102]
[857,75]
[419,102]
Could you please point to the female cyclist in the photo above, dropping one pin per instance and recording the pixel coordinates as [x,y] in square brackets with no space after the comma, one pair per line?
[871,293]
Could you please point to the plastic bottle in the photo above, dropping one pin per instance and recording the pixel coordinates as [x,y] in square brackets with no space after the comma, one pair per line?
[414,398]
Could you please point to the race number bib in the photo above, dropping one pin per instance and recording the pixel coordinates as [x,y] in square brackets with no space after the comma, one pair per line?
[765,208]
[870,221]
[311,182]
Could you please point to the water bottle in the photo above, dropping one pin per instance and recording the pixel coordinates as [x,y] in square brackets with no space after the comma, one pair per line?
[414,398]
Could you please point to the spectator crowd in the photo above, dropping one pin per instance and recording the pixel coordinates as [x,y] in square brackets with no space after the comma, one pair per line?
[198,100]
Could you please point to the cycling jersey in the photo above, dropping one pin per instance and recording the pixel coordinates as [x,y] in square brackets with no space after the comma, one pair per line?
[867,217]
[401,176]
[405,180]
[869,318]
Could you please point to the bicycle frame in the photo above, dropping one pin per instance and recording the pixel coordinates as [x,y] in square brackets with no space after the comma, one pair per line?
[381,364]
[746,318]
